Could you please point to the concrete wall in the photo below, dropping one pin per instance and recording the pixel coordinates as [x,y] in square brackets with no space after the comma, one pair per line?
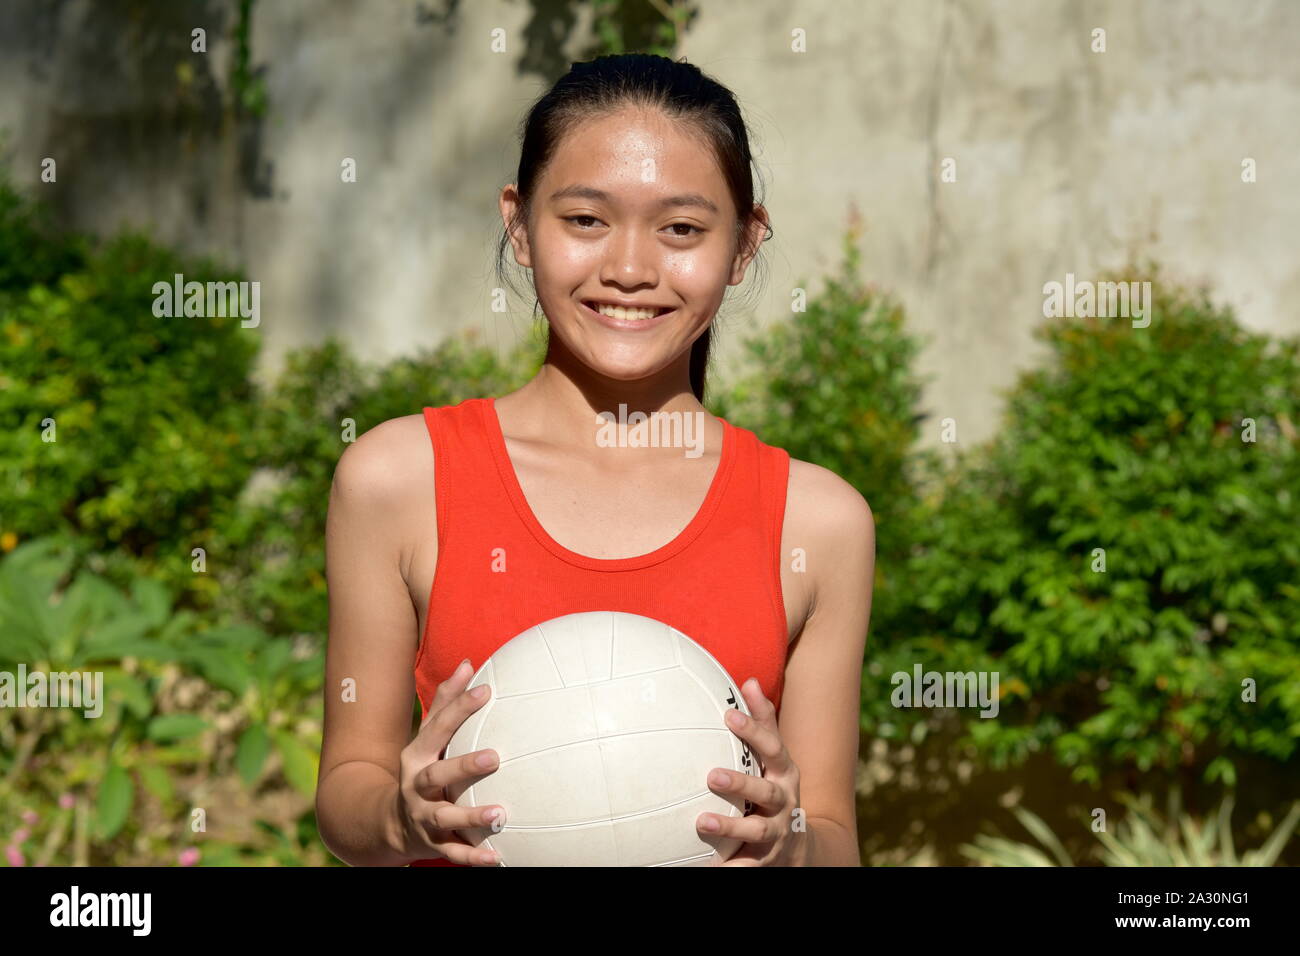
[1066,159]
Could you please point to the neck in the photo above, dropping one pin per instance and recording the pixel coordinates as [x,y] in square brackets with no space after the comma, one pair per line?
[560,408]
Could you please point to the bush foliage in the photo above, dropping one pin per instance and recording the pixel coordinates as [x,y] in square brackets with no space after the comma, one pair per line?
[275,544]
[96,392]
[1122,554]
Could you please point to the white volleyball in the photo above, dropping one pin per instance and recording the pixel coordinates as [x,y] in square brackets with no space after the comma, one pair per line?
[607,725]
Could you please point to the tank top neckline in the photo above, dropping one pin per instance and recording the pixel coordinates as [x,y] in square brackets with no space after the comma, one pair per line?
[506,470]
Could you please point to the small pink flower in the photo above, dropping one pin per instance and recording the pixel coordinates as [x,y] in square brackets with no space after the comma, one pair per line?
[30,817]
[21,835]
[67,802]
[189,857]
[15,856]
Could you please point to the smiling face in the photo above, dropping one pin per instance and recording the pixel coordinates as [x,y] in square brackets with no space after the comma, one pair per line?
[632,210]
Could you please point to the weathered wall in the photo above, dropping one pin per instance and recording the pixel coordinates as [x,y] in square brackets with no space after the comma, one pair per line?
[1066,159]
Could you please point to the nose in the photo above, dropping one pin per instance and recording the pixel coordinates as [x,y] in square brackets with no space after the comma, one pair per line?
[630,259]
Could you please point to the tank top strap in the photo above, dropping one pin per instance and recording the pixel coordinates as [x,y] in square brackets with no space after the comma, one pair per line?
[774,480]
[498,573]
[463,463]
[756,498]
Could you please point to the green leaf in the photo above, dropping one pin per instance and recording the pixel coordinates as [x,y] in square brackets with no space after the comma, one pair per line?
[254,746]
[153,600]
[300,763]
[1221,768]
[103,640]
[1035,825]
[157,781]
[176,727]
[273,659]
[133,693]
[226,669]
[116,794]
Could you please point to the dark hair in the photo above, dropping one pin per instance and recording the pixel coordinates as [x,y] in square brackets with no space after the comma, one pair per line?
[608,83]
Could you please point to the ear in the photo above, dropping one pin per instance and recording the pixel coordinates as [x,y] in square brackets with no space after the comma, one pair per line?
[510,204]
[750,240]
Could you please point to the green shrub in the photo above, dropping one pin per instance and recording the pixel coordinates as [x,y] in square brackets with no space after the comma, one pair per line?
[835,386]
[1142,838]
[184,706]
[1129,441]
[272,548]
[84,361]
[32,250]
[88,627]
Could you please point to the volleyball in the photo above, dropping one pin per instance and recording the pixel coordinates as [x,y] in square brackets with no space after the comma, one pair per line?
[607,725]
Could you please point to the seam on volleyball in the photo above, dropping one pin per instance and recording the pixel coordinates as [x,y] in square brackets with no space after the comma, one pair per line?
[685,859]
[609,818]
[600,753]
[478,736]
[725,730]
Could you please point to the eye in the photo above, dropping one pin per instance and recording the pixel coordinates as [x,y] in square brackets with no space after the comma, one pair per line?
[574,219]
[677,225]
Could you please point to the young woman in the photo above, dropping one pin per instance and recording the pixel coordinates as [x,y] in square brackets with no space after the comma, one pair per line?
[634,191]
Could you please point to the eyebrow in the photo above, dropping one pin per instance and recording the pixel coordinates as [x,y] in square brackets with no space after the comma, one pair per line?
[599,195]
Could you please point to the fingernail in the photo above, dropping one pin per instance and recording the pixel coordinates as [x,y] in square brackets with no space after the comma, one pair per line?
[479,691]
[485,760]
[710,824]
[719,779]
[462,663]
[735,718]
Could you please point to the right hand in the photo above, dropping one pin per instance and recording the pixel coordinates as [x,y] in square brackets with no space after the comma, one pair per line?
[429,819]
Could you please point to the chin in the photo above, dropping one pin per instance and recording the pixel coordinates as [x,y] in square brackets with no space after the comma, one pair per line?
[623,371]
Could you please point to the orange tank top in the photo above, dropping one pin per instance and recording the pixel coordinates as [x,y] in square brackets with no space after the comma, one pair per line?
[718,582]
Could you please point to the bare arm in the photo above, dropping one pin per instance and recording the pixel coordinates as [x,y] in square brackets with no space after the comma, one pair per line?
[372,635]
[381,798]
[821,700]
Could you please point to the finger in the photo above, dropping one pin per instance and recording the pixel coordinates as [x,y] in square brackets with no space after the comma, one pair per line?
[760,731]
[751,829]
[448,816]
[454,847]
[446,690]
[467,853]
[433,779]
[437,730]
[764,793]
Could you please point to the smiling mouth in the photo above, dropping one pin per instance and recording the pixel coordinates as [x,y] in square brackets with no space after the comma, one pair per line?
[624,313]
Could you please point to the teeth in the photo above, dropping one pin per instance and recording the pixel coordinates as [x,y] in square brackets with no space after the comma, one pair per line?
[618,312]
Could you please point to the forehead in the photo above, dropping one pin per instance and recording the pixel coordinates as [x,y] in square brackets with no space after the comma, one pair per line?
[637,155]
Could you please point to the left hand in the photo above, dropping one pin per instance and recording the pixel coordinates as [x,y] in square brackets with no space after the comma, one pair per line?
[768,831]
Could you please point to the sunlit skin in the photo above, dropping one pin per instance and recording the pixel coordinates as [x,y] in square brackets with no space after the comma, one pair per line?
[628,246]
[600,230]
[382,796]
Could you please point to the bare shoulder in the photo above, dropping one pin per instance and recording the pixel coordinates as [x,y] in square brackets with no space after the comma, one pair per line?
[385,461]
[835,521]
[385,480]
[824,505]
